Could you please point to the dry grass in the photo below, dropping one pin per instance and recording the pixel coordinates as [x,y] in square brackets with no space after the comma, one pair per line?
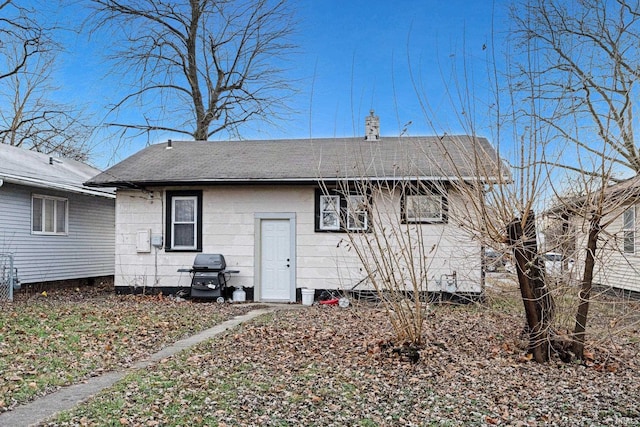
[328,366]
[59,339]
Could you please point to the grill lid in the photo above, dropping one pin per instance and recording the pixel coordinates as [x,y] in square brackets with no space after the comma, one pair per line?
[209,262]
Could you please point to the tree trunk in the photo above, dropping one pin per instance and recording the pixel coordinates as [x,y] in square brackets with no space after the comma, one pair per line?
[585,288]
[535,297]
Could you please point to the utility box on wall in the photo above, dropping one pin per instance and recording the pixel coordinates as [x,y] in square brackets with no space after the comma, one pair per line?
[156,241]
[143,241]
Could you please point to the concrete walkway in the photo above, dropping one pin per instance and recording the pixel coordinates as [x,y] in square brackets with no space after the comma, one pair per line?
[66,398]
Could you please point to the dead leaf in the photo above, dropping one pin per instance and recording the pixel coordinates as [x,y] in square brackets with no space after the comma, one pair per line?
[491,420]
[523,358]
[612,367]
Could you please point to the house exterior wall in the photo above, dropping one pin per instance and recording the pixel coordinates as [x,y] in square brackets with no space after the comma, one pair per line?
[615,268]
[86,251]
[323,260]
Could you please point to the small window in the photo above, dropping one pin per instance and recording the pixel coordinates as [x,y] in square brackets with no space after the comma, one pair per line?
[48,215]
[551,257]
[329,212]
[424,205]
[629,230]
[357,213]
[338,211]
[184,221]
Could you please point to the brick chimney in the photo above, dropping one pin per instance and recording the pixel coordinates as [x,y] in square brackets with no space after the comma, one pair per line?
[372,127]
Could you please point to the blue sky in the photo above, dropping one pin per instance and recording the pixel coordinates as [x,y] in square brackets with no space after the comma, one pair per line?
[363,51]
[355,56]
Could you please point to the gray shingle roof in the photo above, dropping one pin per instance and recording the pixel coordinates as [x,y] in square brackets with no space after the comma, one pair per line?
[613,197]
[303,160]
[27,167]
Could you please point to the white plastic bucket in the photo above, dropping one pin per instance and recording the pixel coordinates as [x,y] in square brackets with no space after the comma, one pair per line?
[307,296]
[239,295]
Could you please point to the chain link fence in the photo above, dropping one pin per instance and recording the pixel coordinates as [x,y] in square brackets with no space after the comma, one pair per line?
[8,277]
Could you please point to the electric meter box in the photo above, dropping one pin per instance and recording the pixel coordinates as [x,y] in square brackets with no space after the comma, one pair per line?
[156,240]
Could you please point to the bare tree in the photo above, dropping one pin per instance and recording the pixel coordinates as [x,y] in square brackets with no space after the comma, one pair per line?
[22,38]
[29,117]
[586,80]
[394,255]
[541,112]
[501,213]
[405,226]
[565,105]
[587,74]
[200,66]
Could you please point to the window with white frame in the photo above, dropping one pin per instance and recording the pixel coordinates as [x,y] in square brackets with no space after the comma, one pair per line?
[184,221]
[329,212]
[49,215]
[340,211]
[424,205]
[629,230]
[357,213]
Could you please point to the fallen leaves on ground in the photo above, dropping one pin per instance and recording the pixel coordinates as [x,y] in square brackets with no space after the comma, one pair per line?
[328,366]
[59,338]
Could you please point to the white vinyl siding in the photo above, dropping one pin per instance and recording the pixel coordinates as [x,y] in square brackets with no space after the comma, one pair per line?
[87,250]
[617,265]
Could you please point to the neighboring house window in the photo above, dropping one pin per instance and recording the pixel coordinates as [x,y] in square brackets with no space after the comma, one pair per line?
[337,211]
[49,215]
[629,230]
[184,221]
[424,205]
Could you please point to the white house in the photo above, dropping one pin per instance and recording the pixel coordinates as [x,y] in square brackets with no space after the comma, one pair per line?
[617,255]
[53,226]
[278,212]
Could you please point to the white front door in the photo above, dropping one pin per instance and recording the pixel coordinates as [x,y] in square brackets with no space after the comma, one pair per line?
[276,262]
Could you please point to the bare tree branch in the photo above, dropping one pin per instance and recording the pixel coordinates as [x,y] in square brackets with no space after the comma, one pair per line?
[588,53]
[28,116]
[201,67]
[21,36]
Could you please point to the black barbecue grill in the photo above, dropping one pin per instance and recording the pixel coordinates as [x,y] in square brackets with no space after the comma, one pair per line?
[209,276]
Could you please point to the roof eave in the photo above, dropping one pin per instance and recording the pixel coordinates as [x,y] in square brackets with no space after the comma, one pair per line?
[77,189]
[301,180]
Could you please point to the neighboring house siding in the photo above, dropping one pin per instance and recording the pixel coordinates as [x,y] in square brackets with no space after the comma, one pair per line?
[614,267]
[86,251]
[229,213]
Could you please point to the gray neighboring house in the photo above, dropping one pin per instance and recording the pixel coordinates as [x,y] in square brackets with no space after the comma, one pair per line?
[55,227]
[275,210]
